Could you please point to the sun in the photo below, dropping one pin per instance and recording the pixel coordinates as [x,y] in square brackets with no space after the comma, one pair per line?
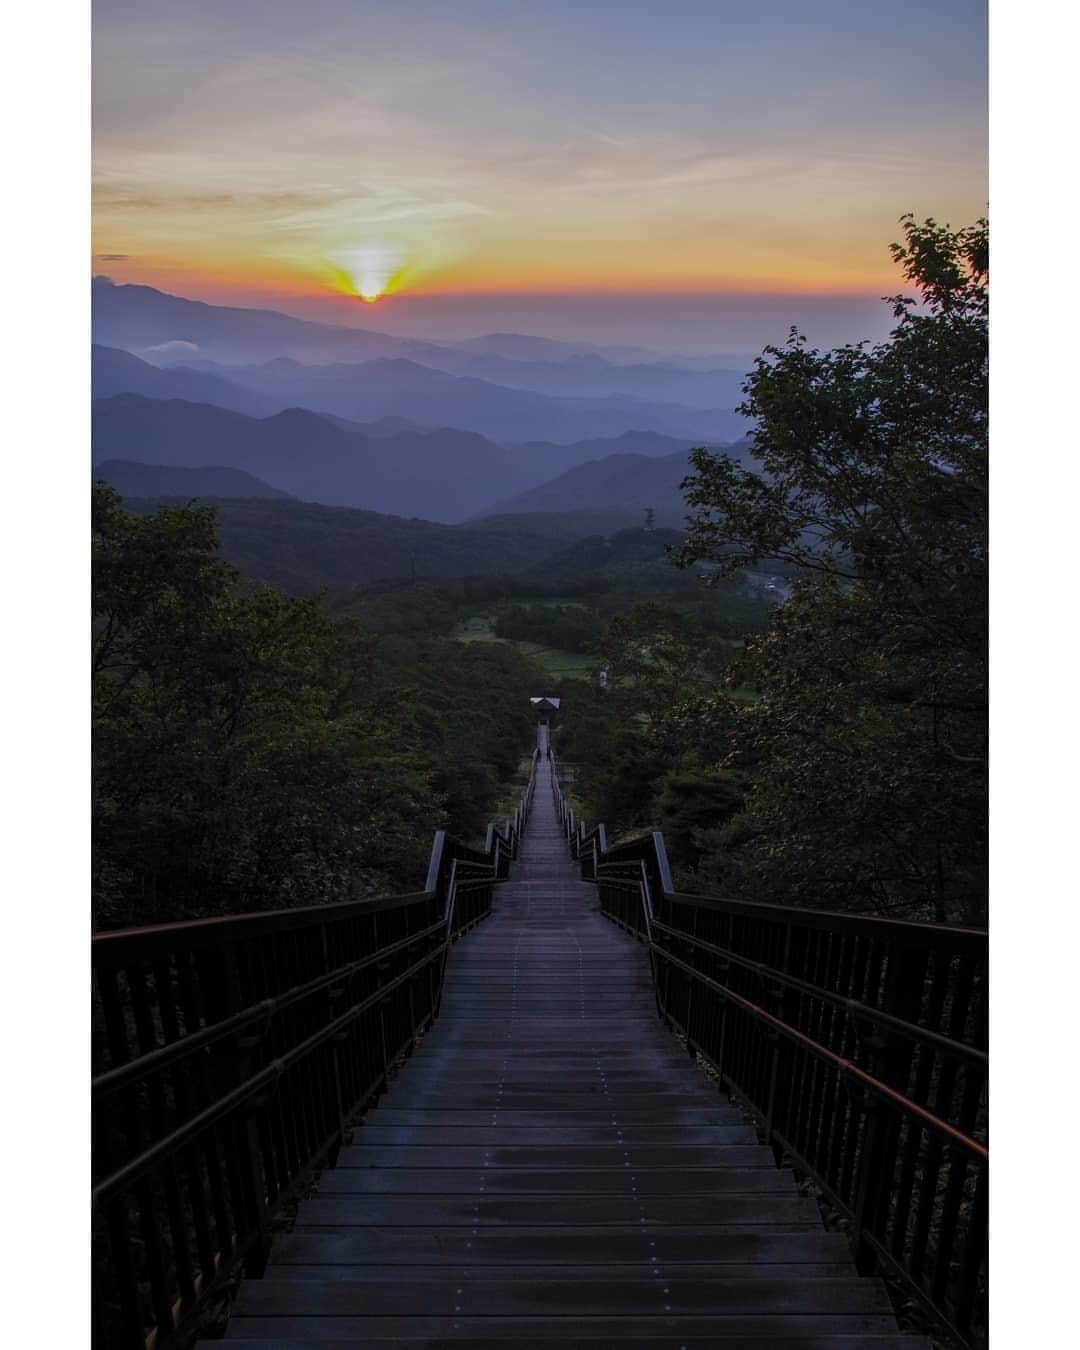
[373,270]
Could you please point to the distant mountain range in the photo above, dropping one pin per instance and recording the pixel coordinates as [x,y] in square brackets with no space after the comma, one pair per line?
[395,387]
[113,371]
[390,465]
[505,386]
[627,484]
[141,318]
[438,475]
[157,480]
[152,322]
[536,443]
[592,377]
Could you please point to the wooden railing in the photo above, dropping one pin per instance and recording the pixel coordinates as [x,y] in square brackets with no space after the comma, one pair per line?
[231,1055]
[858,1044]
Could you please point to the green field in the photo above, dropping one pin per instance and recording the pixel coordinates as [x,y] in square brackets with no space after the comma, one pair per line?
[570,665]
[567,665]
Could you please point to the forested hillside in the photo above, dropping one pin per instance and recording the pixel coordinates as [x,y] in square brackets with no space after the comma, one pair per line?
[252,750]
[840,761]
[304,547]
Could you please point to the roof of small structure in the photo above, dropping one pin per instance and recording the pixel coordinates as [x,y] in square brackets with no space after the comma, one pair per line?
[554,702]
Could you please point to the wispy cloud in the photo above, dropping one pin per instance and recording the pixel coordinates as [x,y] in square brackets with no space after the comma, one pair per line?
[174,347]
[510,143]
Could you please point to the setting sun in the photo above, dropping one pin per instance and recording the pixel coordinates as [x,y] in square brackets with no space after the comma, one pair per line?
[372,270]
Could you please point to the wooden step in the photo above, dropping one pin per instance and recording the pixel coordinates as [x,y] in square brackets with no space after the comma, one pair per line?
[614,1154]
[426,1211]
[598,1182]
[442,1295]
[570,1338]
[798,1331]
[551,1169]
[557,1134]
[557,1245]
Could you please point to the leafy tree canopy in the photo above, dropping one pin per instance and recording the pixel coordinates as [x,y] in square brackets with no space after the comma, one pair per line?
[867,746]
[252,751]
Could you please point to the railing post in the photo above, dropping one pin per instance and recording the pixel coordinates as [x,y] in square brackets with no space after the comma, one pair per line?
[335,994]
[251,1180]
[435,864]
[887,1058]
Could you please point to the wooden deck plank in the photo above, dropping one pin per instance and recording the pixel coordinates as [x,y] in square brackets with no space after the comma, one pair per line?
[550,1168]
[569,1338]
[444,1294]
[531,1247]
[556,1134]
[796,1331]
[490,1181]
[536,1157]
[776,1210]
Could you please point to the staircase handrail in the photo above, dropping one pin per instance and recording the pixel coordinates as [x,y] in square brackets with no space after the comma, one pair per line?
[232,1055]
[856,1042]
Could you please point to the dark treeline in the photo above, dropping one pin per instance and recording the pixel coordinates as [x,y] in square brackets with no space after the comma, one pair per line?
[253,750]
[427,606]
[840,761]
[567,628]
[553,610]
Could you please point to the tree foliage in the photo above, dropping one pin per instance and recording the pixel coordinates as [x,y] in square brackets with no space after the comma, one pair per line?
[627,769]
[867,747]
[252,751]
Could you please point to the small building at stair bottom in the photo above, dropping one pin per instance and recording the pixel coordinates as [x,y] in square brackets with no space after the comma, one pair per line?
[546,709]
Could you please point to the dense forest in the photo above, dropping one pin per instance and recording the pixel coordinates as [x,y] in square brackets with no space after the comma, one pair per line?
[254,749]
[840,760]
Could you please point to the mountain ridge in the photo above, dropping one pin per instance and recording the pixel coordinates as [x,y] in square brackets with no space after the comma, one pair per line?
[132,479]
[329,367]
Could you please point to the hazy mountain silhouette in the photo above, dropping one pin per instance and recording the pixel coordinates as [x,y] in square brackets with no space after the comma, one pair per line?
[651,444]
[444,474]
[527,347]
[113,371]
[589,376]
[148,321]
[140,318]
[391,465]
[165,480]
[626,483]
[296,450]
[363,375]
[395,387]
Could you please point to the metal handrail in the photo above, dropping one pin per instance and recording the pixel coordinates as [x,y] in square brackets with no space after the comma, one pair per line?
[857,1043]
[232,1053]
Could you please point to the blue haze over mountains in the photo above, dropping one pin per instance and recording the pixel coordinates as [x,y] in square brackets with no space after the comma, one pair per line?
[357,418]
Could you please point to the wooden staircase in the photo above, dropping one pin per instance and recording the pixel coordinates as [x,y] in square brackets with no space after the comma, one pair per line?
[550,1169]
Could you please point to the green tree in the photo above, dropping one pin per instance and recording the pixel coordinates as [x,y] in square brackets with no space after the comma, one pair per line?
[252,751]
[867,749]
[656,656]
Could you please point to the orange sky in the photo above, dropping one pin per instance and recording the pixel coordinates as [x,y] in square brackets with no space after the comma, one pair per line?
[260,149]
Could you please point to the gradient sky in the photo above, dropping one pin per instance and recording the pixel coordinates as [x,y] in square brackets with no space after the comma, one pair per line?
[485,151]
